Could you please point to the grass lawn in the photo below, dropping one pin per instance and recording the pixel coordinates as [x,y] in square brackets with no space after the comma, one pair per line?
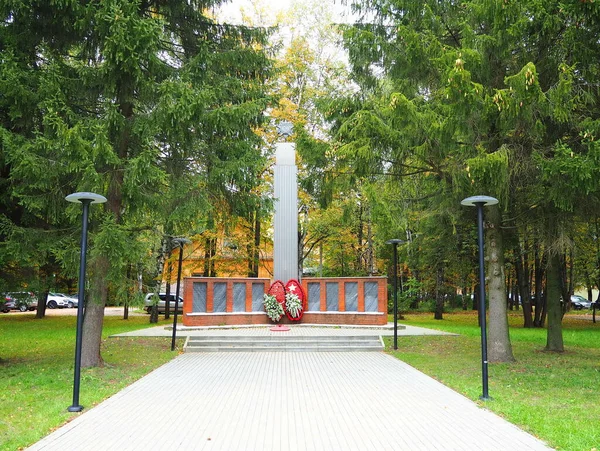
[556,397]
[37,371]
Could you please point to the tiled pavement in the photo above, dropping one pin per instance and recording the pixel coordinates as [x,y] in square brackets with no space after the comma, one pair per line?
[287,401]
[295,330]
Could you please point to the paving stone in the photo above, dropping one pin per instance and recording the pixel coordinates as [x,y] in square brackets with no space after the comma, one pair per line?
[287,401]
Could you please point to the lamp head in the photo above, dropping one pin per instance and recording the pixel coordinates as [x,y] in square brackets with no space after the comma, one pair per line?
[180,241]
[79,198]
[395,241]
[475,200]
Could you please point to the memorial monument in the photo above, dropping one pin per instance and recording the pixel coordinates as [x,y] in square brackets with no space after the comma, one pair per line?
[285,223]
[210,301]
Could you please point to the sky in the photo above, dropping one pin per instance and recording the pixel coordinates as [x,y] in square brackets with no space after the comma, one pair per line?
[231,9]
[313,13]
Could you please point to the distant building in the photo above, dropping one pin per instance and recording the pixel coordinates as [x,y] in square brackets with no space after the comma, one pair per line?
[222,255]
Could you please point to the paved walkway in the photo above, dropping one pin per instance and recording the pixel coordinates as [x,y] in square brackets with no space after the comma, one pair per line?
[295,330]
[287,401]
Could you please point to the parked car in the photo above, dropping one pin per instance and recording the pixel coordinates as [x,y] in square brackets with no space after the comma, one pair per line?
[60,300]
[72,301]
[580,303]
[19,300]
[57,300]
[162,303]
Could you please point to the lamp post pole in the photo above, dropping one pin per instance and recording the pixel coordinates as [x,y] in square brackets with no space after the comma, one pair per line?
[85,199]
[479,202]
[395,243]
[180,243]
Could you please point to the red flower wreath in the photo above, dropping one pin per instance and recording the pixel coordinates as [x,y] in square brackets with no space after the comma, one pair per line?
[293,287]
[277,289]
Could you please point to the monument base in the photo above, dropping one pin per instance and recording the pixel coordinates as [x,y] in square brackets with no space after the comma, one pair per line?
[333,301]
[279,328]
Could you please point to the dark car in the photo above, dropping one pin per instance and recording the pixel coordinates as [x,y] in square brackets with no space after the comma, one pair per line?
[19,300]
[580,303]
[162,303]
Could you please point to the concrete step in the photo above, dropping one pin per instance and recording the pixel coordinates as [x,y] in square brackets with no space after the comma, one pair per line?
[284,338]
[280,342]
[283,344]
[283,349]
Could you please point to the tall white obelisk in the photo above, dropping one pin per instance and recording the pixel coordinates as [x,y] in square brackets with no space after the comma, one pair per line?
[285,252]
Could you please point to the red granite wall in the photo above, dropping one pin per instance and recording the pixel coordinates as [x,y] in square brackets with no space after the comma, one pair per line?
[322,316]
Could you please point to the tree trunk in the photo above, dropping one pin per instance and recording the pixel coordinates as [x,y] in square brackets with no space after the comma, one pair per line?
[509,292]
[93,317]
[370,251]
[165,251]
[439,294]
[540,303]
[128,294]
[565,293]
[554,338]
[570,271]
[359,256]
[499,346]
[210,247]
[41,308]
[168,289]
[206,272]
[44,290]
[522,270]
[256,253]
[253,247]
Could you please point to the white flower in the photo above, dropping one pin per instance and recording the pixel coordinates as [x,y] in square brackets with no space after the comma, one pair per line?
[272,307]
[293,305]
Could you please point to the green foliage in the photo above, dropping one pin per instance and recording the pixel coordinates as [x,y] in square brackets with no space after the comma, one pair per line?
[152,104]
[479,97]
[411,291]
[568,176]
[490,173]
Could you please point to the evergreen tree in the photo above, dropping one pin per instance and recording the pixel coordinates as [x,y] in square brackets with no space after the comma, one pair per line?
[480,97]
[152,104]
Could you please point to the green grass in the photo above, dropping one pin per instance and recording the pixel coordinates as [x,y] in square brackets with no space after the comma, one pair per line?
[556,397]
[37,371]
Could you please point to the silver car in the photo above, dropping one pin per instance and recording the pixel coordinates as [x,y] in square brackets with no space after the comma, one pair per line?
[580,303]
[19,300]
[162,304]
[57,300]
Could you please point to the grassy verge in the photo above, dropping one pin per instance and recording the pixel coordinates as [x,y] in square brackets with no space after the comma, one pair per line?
[37,371]
[556,397]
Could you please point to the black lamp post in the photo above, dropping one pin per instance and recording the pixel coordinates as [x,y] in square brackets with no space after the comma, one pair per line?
[479,202]
[395,242]
[180,242]
[85,199]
